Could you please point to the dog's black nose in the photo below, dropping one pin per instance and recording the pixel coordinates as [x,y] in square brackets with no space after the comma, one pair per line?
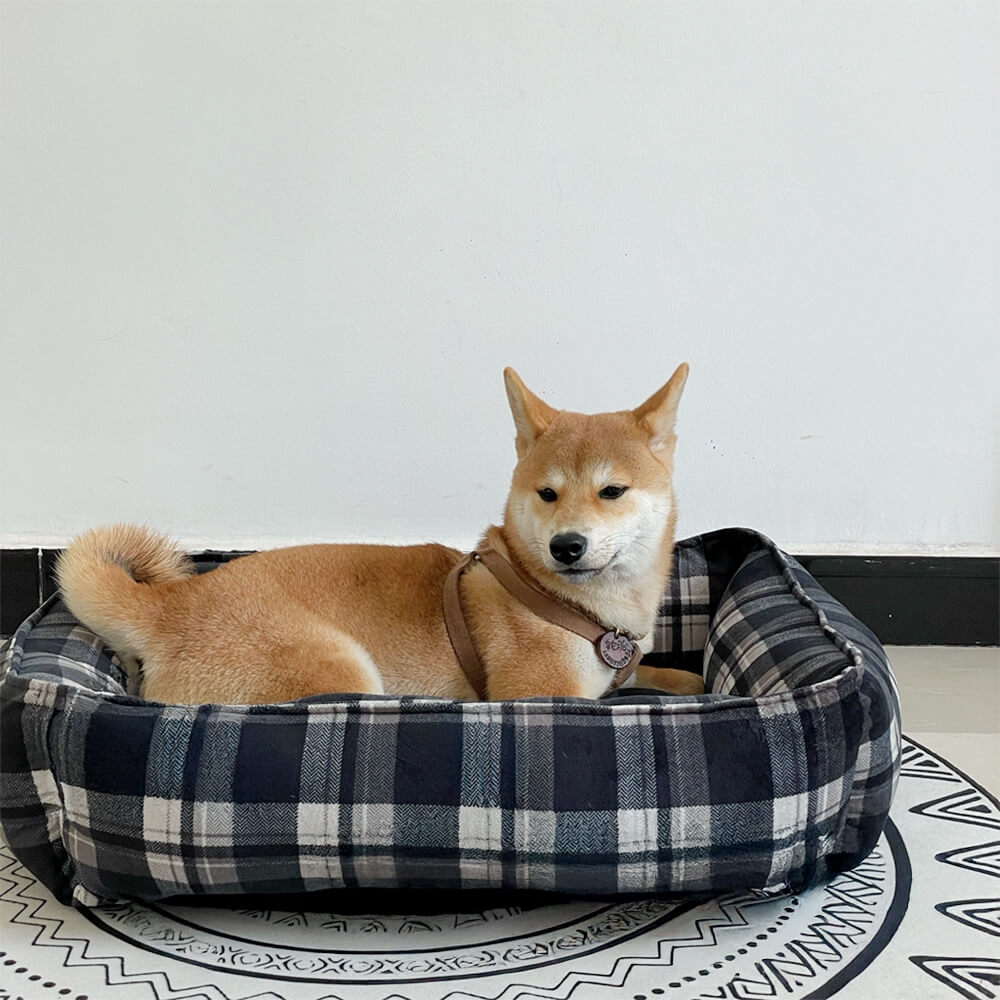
[568,548]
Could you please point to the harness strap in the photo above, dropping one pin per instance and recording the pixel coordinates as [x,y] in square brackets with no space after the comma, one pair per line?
[458,628]
[614,648]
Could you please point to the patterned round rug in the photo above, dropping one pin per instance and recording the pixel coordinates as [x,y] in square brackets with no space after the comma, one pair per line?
[919,918]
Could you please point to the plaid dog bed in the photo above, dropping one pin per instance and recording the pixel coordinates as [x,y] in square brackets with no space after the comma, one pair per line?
[779,777]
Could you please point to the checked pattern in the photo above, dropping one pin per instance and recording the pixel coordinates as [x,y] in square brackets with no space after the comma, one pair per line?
[779,777]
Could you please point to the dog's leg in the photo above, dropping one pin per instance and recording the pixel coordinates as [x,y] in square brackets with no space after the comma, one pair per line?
[669,680]
[133,674]
[341,667]
[326,662]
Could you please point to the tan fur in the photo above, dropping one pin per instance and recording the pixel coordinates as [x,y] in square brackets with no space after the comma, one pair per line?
[313,619]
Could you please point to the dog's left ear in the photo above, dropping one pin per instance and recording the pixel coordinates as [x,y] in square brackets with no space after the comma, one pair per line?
[531,415]
[658,414]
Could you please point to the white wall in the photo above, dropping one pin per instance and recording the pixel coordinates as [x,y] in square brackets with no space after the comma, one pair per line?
[262,264]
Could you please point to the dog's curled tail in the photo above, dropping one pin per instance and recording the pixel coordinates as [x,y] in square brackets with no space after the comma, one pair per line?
[107,576]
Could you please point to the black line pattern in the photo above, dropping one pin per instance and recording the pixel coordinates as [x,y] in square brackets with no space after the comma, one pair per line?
[982,858]
[981,914]
[968,805]
[972,978]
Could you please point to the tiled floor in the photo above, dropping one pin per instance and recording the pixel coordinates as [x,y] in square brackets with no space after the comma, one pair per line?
[951,704]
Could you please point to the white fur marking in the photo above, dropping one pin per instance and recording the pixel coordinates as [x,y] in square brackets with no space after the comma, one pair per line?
[601,473]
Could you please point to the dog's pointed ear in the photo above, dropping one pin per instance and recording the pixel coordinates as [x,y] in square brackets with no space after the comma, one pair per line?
[658,414]
[531,415]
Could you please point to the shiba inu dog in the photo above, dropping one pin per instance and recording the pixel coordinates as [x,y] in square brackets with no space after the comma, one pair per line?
[559,600]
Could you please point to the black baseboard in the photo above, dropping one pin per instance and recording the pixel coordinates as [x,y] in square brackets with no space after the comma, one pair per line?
[906,601]
[917,601]
[20,590]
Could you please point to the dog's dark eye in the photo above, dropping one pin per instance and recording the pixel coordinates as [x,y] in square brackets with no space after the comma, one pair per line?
[547,495]
[612,492]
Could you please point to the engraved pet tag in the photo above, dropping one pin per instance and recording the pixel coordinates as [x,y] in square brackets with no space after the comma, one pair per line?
[616,650]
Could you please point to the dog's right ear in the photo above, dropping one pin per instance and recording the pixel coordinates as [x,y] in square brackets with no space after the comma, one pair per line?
[531,415]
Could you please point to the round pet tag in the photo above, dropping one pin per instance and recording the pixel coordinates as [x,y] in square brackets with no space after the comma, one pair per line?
[616,650]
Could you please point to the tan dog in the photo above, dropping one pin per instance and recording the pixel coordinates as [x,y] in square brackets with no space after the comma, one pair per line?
[589,520]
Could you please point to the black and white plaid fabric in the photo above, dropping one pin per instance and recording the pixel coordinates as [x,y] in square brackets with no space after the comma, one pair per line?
[778,778]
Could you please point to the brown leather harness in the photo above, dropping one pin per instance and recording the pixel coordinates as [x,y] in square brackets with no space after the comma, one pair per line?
[614,648]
